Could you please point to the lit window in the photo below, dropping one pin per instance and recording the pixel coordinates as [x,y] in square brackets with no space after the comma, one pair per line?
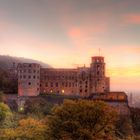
[63,91]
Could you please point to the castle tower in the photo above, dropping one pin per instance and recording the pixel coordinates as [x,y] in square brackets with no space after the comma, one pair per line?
[99,82]
[28,79]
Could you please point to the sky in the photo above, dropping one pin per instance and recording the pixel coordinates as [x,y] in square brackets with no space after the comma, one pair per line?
[66,33]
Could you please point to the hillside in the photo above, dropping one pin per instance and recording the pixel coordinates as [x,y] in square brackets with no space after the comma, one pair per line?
[6,61]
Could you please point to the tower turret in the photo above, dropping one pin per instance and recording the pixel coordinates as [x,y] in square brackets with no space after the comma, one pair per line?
[99,82]
[98,66]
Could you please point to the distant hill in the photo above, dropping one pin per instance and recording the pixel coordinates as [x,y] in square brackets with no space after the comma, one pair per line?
[6,61]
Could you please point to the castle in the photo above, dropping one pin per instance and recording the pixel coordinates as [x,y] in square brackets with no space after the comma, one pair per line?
[83,81]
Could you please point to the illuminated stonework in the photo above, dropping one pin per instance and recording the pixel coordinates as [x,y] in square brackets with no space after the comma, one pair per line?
[82,81]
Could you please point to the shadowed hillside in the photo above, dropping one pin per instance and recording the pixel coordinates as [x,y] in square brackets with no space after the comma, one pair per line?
[6,62]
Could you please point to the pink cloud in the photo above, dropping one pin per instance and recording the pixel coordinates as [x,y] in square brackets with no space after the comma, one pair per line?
[132,18]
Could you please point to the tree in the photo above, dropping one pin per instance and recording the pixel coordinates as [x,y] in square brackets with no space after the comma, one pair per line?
[28,129]
[4,111]
[81,119]
[124,127]
[135,116]
[37,108]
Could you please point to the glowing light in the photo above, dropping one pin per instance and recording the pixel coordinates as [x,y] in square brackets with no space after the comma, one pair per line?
[21,109]
[63,91]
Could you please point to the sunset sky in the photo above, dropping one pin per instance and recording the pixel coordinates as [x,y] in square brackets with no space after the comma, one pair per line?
[66,33]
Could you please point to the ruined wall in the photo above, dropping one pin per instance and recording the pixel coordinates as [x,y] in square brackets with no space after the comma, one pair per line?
[59,81]
[28,79]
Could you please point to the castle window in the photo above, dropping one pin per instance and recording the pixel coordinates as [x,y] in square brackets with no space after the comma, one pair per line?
[98,72]
[46,84]
[34,71]
[66,84]
[80,90]
[86,90]
[34,76]
[29,71]
[56,84]
[29,77]
[24,76]
[51,84]
[45,77]
[62,84]
[29,83]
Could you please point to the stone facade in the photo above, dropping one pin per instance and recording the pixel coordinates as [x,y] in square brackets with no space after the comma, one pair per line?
[83,81]
[117,100]
[28,79]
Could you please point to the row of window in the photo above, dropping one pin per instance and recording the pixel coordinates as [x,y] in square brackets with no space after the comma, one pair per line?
[29,71]
[58,91]
[59,77]
[86,82]
[58,73]
[56,84]
[30,65]
[64,84]
[83,90]
[29,77]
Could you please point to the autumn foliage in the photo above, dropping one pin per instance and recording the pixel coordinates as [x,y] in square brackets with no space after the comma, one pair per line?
[82,120]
